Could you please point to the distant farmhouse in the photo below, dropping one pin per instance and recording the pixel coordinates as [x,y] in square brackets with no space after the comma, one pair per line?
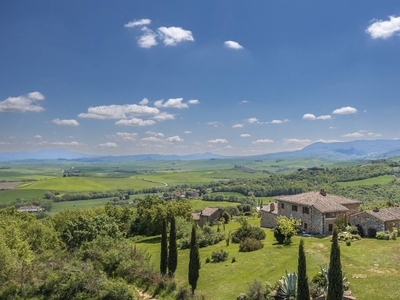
[208,215]
[30,209]
[318,211]
[378,219]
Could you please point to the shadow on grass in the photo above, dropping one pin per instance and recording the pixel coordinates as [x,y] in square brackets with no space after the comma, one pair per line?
[153,240]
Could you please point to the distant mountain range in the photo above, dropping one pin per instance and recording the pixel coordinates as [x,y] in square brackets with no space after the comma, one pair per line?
[360,149]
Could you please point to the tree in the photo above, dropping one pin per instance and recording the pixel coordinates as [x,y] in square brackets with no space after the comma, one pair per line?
[335,276]
[194,261]
[303,292]
[173,249]
[164,248]
[287,227]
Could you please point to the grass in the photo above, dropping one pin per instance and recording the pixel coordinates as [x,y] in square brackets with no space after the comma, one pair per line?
[7,196]
[369,181]
[79,204]
[376,260]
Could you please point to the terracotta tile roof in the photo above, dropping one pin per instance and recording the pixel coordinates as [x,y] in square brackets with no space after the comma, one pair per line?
[325,204]
[386,214]
[208,211]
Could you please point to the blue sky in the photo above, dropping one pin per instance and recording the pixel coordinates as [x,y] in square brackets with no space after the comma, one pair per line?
[181,77]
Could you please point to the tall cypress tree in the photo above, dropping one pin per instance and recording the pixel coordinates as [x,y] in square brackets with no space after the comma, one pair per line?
[303,292]
[164,248]
[173,249]
[335,276]
[194,262]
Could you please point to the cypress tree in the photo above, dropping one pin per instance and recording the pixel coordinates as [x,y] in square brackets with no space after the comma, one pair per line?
[335,276]
[164,248]
[173,249]
[303,292]
[194,262]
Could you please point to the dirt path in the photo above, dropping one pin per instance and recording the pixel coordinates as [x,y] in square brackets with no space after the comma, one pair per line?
[149,180]
[144,295]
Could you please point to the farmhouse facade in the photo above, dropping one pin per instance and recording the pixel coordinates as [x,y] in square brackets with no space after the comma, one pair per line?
[318,211]
[378,219]
[208,215]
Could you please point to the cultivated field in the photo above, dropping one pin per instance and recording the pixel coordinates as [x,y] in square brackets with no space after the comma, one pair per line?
[8,185]
[370,181]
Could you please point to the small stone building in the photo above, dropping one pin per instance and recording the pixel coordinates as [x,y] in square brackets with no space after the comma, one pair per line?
[378,219]
[30,209]
[208,215]
[318,211]
[269,213]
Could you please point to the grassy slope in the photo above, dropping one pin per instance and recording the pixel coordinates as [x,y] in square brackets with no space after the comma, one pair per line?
[370,181]
[7,196]
[378,260]
[198,205]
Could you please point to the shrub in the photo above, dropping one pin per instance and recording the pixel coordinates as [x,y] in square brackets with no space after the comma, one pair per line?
[208,260]
[250,244]
[247,231]
[278,235]
[256,291]
[371,232]
[233,260]
[383,235]
[393,235]
[360,230]
[348,242]
[219,256]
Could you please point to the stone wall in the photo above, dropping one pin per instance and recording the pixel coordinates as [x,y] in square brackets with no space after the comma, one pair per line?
[367,221]
[353,208]
[268,220]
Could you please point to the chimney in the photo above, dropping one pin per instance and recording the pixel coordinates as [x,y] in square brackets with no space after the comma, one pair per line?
[272,206]
[376,209]
[322,192]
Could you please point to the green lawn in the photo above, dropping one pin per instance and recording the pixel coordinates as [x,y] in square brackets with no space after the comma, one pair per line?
[369,181]
[7,196]
[376,263]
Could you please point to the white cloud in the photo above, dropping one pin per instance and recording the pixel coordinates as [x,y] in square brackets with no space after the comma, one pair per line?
[345,110]
[194,101]
[384,29]
[70,122]
[135,122]
[353,135]
[155,133]
[38,137]
[164,117]
[328,141]
[171,36]
[296,141]
[144,101]
[374,134]
[140,22]
[233,45]
[118,111]
[244,101]
[214,123]
[152,139]
[252,120]
[171,103]
[70,137]
[309,117]
[188,132]
[244,135]
[22,103]
[324,117]
[217,141]
[332,127]
[148,39]
[265,141]
[175,138]
[276,122]
[108,145]
[237,126]
[126,136]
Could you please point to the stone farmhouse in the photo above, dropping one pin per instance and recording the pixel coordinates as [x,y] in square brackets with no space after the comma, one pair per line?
[378,219]
[208,215]
[317,210]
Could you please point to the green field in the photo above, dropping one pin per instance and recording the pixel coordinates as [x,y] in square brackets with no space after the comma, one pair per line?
[369,181]
[198,205]
[376,263]
[7,196]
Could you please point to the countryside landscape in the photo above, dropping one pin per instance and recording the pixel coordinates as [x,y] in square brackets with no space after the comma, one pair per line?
[208,150]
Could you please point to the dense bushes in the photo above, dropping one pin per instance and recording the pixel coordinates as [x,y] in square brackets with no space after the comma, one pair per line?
[219,256]
[205,237]
[250,244]
[247,231]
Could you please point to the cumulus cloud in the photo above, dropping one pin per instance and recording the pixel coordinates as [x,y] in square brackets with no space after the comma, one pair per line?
[296,141]
[371,134]
[237,126]
[214,123]
[233,45]
[140,22]
[164,117]
[125,136]
[171,103]
[148,39]
[144,101]
[175,138]
[324,117]
[194,101]
[135,122]
[384,29]
[188,132]
[253,120]
[70,122]
[217,141]
[108,145]
[353,135]
[22,103]
[118,111]
[332,127]
[278,121]
[155,133]
[265,141]
[345,110]
[171,36]
[38,137]
[244,135]
[152,139]
[310,117]
[328,141]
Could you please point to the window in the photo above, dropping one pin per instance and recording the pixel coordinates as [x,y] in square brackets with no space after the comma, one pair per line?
[305,225]
[294,207]
[330,227]
[306,210]
[282,205]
